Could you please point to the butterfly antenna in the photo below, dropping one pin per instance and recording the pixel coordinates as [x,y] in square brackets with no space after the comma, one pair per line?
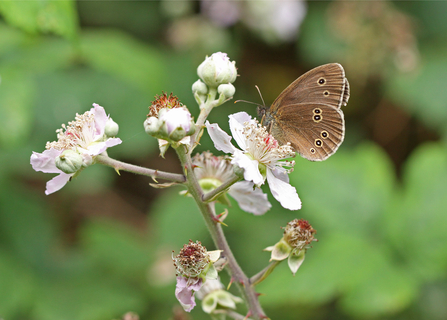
[262,99]
[257,104]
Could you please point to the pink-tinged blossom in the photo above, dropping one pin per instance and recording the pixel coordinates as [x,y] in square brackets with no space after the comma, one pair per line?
[185,289]
[85,135]
[259,155]
[212,171]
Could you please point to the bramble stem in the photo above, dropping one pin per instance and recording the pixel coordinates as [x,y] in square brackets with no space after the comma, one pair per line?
[215,229]
[212,194]
[154,174]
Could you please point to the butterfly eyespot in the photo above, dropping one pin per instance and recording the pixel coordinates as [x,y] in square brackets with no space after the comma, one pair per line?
[312,150]
[324,134]
[326,93]
[317,118]
[318,143]
[317,111]
[321,81]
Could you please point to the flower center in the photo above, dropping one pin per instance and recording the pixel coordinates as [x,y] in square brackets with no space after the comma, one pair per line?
[78,133]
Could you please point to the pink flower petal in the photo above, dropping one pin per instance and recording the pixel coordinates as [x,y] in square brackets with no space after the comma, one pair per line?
[57,183]
[45,161]
[184,292]
[100,120]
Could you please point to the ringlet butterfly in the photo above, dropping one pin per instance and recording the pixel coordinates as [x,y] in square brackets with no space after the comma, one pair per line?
[307,113]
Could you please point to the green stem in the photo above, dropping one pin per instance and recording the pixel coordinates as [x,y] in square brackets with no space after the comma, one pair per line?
[154,174]
[205,110]
[224,186]
[262,275]
[215,229]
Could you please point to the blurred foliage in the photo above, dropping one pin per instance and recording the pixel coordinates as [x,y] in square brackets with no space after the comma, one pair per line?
[102,246]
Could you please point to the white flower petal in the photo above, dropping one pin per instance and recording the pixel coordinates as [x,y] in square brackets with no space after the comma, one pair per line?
[283,192]
[251,169]
[57,183]
[253,201]
[237,126]
[45,161]
[220,138]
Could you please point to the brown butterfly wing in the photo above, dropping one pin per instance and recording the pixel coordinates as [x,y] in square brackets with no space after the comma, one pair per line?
[324,84]
[315,130]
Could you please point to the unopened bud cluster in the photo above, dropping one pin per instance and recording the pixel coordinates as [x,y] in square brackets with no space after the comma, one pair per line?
[216,72]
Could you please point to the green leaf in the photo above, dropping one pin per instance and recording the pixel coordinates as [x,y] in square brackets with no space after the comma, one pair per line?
[423,91]
[16,95]
[86,296]
[388,290]
[113,246]
[17,286]
[59,17]
[176,219]
[120,55]
[416,221]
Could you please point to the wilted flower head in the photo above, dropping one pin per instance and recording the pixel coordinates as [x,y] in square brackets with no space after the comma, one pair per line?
[193,265]
[212,171]
[261,156]
[76,148]
[298,234]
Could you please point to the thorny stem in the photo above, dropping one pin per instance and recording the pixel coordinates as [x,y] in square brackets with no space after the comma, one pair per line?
[215,229]
[154,174]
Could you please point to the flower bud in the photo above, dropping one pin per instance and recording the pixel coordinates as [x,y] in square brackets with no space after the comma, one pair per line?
[227,90]
[69,161]
[217,69]
[111,128]
[152,126]
[177,123]
[199,87]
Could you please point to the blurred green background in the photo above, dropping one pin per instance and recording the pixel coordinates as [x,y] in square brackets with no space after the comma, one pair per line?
[102,245]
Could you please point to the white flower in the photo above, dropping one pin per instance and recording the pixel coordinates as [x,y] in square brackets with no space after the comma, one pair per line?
[212,171]
[261,157]
[85,136]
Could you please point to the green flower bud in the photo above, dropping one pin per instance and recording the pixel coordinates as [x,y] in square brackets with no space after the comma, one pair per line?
[227,89]
[199,87]
[152,126]
[69,161]
[111,128]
